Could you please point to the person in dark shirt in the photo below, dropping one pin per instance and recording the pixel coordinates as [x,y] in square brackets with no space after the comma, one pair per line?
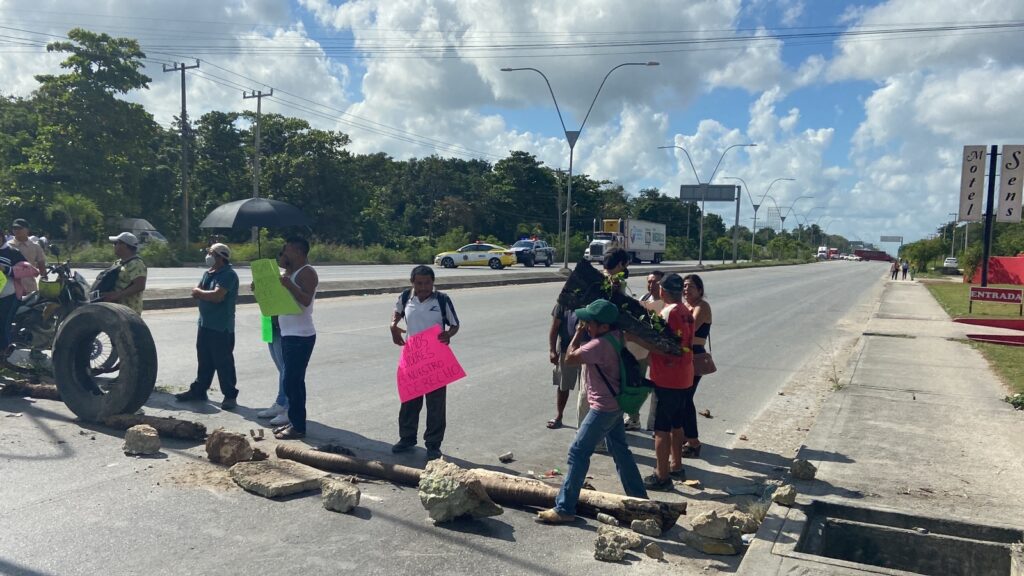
[8,300]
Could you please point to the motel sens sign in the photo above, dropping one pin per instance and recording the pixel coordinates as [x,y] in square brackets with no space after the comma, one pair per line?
[1003,295]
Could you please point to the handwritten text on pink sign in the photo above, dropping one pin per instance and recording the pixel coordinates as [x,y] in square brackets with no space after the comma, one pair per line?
[426,365]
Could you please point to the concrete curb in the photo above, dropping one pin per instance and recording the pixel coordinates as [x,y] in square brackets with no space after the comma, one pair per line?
[171,298]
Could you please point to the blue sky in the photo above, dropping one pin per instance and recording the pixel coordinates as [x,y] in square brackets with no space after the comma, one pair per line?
[872,126]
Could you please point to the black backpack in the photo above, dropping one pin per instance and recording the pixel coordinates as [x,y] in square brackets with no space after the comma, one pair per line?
[442,301]
[106,281]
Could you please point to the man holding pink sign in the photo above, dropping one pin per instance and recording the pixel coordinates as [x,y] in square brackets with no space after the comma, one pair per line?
[427,365]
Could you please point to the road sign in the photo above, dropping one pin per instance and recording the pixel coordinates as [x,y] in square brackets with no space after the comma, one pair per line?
[972,181]
[898,239]
[1011,178]
[708,192]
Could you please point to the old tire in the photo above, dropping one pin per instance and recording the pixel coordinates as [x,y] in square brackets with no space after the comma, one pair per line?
[495,264]
[94,398]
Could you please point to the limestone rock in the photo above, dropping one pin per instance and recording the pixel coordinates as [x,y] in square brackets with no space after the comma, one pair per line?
[648,527]
[607,550]
[746,523]
[622,538]
[785,495]
[339,495]
[711,525]
[607,519]
[142,440]
[654,551]
[448,492]
[228,448]
[274,478]
[803,470]
[713,546]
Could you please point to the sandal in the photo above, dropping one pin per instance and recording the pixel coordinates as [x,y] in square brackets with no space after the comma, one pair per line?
[555,423]
[691,452]
[281,428]
[289,434]
[652,482]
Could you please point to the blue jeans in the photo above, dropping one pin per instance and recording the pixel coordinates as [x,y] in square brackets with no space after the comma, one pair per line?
[296,351]
[598,425]
[278,356]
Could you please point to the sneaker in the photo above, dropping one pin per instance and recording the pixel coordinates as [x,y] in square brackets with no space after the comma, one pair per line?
[433,454]
[652,482]
[402,446]
[229,404]
[280,420]
[553,516]
[272,411]
[679,474]
[632,425]
[191,395]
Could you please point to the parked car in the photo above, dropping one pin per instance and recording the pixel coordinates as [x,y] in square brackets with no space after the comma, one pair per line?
[531,252]
[477,254]
[950,263]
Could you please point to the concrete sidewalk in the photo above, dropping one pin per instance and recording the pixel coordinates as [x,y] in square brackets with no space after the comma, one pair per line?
[919,428]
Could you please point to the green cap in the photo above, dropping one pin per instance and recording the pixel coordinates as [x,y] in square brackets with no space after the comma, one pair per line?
[601,311]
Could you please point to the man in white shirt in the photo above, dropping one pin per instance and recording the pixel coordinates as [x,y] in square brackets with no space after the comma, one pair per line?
[422,307]
[32,252]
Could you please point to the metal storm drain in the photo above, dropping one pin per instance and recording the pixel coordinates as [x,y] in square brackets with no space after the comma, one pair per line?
[855,539]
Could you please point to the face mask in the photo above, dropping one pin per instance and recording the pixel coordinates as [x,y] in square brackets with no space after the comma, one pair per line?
[210,260]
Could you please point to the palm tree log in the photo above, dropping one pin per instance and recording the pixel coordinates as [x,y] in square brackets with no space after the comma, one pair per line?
[502,488]
[587,284]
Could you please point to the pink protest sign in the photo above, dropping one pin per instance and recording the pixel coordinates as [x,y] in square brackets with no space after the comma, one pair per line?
[426,365]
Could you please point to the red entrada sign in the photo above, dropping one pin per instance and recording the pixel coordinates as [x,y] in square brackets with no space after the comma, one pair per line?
[1002,295]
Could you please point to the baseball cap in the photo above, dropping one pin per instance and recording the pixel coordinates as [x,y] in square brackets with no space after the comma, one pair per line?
[125,237]
[601,311]
[672,283]
[222,250]
[20,223]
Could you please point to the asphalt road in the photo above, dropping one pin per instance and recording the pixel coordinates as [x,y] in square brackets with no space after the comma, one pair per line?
[187,277]
[71,503]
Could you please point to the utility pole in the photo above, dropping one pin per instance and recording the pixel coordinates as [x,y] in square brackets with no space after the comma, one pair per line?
[184,149]
[258,95]
[558,202]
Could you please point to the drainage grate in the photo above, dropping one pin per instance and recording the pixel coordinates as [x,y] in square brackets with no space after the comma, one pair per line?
[860,538]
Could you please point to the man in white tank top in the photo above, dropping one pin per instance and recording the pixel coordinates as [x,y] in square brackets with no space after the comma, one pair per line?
[298,334]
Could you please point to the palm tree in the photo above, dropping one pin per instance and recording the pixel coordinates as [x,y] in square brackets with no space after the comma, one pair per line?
[77,211]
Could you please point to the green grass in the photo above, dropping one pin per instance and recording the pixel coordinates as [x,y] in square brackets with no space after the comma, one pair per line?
[953,297]
[1007,361]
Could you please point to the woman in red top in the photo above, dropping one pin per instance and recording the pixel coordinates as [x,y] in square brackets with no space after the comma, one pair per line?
[672,376]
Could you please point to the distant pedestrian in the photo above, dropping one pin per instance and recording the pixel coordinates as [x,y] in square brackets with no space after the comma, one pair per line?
[894,270]
[217,294]
[31,250]
[131,277]
[673,377]
[905,266]
[298,334]
[605,418]
[422,307]
[653,302]
[278,411]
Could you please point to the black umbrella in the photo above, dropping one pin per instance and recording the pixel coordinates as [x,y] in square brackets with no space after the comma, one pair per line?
[262,212]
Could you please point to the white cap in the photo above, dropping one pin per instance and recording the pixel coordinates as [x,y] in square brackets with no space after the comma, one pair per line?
[221,249]
[126,237]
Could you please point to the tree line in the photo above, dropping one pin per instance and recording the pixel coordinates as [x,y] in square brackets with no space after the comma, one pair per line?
[75,157]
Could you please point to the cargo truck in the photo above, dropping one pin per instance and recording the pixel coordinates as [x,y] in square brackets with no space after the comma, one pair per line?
[642,240]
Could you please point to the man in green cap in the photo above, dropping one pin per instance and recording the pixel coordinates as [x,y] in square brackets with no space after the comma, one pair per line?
[600,359]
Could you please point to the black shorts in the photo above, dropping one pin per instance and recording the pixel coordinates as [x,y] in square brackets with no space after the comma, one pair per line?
[669,413]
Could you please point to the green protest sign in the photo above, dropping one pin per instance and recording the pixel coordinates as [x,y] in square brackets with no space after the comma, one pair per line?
[274,299]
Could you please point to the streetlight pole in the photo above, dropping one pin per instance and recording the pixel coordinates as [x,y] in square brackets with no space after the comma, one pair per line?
[571,136]
[703,193]
[783,218]
[952,239]
[756,206]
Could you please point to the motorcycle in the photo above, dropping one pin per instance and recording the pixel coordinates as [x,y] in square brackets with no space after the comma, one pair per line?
[40,314]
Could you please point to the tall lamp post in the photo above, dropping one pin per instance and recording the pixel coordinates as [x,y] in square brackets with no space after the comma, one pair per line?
[571,136]
[952,239]
[806,220]
[756,206]
[790,209]
[700,243]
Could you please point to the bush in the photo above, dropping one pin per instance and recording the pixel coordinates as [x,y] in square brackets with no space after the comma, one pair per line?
[159,254]
[90,253]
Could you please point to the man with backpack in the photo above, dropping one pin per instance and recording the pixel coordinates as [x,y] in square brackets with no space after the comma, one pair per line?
[601,358]
[124,282]
[422,307]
